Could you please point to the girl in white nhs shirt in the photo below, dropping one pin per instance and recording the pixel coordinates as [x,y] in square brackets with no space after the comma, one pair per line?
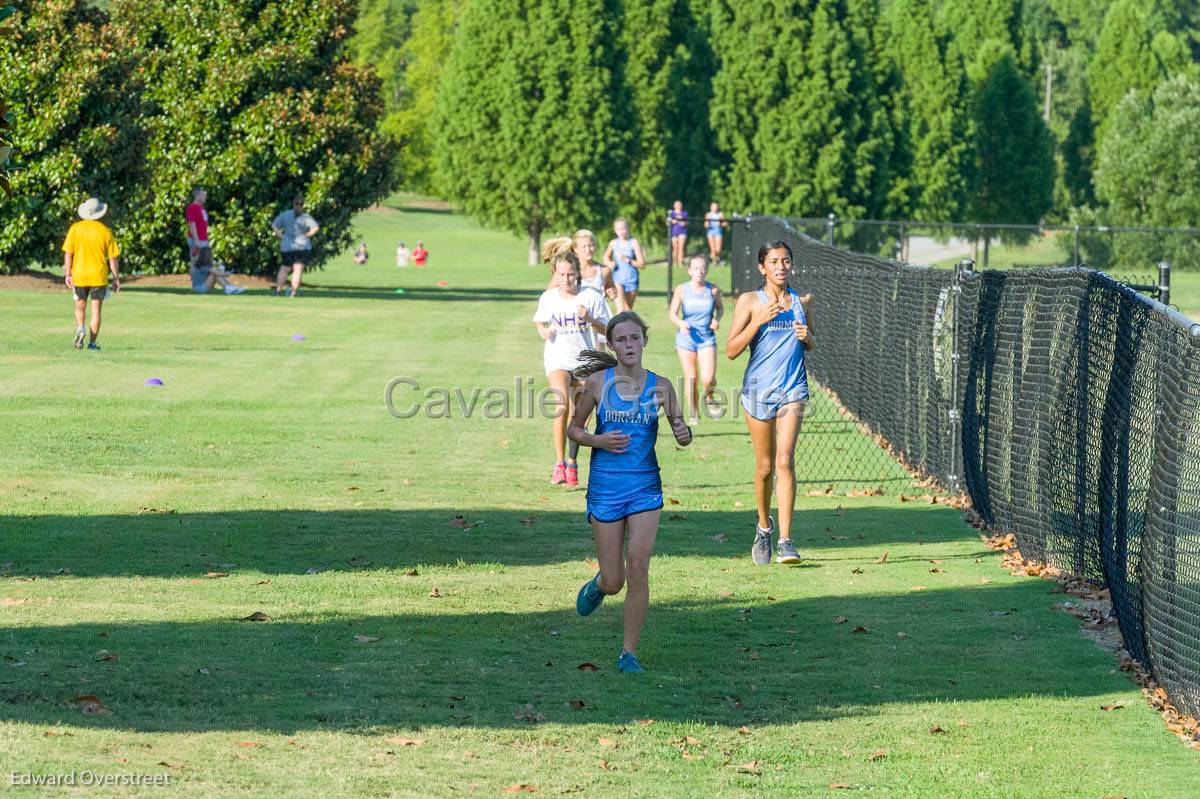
[570,320]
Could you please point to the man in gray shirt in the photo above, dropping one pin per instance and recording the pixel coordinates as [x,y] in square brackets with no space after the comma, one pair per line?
[295,229]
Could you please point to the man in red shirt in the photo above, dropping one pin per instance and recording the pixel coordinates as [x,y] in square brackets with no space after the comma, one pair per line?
[201,268]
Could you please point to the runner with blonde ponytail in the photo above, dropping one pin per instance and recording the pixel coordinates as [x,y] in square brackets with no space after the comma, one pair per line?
[569,320]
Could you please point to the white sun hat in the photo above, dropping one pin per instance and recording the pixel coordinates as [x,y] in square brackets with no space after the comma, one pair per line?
[92,208]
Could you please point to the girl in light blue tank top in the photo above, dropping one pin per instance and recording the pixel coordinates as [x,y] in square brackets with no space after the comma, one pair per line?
[625,256]
[624,494]
[696,311]
[774,323]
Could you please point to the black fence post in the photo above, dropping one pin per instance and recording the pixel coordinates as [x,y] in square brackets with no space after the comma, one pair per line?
[1164,282]
[1075,247]
[831,223]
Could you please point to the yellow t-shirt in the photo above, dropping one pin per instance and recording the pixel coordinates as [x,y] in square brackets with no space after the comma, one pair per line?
[92,244]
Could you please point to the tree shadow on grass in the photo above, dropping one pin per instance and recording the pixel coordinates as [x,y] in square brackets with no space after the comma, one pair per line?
[734,661]
[160,543]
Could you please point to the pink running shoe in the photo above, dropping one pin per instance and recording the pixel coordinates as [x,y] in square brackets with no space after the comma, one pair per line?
[572,475]
[560,474]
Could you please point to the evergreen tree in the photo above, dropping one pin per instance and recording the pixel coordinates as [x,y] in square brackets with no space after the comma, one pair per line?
[1130,54]
[669,72]
[526,134]
[796,110]
[939,123]
[1146,170]
[408,122]
[982,30]
[1015,150]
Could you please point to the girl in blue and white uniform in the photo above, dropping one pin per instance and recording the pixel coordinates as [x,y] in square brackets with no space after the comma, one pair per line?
[624,255]
[776,324]
[696,310]
[714,220]
[624,489]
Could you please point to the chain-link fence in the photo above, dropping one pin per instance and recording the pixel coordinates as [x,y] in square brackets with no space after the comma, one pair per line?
[1066,404]
[1129,254]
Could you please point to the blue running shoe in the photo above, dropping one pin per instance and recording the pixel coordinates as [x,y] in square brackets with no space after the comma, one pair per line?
[93,346]
[628,664]
[590,596]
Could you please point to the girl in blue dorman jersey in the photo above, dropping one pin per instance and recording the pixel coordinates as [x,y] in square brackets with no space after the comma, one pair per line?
[624,493]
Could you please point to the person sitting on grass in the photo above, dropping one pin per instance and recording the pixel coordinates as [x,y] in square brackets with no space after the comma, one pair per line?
[361,256]
[200,260]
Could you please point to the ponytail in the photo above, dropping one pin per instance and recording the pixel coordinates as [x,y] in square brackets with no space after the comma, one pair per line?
[555,247]
[592,361]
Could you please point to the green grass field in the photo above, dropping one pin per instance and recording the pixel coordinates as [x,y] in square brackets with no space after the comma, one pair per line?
[275,462]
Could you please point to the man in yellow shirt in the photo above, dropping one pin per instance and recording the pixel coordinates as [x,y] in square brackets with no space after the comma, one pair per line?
[89,255]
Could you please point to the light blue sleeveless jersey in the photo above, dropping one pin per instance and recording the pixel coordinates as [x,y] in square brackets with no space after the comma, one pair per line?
[697,310]
[775,375]
[615,479]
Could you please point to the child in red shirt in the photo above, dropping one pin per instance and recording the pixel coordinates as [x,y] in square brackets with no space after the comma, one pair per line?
[419,254]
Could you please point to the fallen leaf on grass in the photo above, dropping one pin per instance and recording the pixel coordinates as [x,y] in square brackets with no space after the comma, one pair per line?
[91,705]
[686,755]
[719,537]
[528,713]
[53,734]
[257,615]
[860,629]
[528,520]
[461,523]
[604,764]
[838,785]
[263,582]
[170,764]
[902,636]
[917,588]
[672,500]
[216,574]
[882,558]
[105,656]
[753,767]
[435,593]
[588,667]
[878,754]
[675,517]
[840,620]
[401,741]
[576,704]
[644,722]
[743,730]
[521,787]
[249,744]
[936,570]
[856,570]
[411,572]
[607,742]
[366,639]
[312,570]
[935,729]
[1113,706]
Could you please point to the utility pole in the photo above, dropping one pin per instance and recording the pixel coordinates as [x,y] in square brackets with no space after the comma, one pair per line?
[1049,90]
